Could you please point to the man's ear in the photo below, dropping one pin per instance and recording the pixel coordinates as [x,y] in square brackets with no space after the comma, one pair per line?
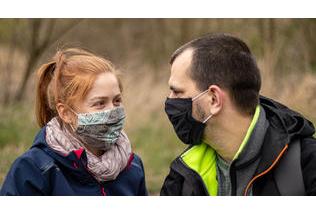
[216,99]
[65,113]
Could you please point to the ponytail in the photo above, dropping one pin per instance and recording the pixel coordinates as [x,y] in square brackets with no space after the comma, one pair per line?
[44,110]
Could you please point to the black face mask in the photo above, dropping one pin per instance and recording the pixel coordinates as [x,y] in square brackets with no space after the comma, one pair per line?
[188,129]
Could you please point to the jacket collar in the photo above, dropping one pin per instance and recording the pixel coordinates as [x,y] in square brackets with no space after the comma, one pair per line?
[284,126]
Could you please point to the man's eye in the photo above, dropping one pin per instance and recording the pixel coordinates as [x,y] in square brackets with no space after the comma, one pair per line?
[174,94]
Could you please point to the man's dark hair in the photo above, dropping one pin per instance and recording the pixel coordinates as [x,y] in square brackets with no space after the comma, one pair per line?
[226,61]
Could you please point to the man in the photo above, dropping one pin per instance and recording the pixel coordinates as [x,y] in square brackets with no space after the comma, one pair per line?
[240,143]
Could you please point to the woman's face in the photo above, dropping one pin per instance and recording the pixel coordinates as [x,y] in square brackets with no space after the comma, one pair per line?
[104,94]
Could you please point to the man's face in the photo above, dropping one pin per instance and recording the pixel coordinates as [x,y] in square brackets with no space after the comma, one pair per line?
[182,86]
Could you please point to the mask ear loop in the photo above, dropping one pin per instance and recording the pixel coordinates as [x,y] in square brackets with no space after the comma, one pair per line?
[196,97]
[72,127]
[72,110]
[199,95]
[207,118]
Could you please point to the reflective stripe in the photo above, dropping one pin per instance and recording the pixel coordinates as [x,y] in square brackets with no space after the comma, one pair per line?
[202,159]
[249,131]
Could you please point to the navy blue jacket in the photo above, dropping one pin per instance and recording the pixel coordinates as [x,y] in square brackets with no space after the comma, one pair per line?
[42,171]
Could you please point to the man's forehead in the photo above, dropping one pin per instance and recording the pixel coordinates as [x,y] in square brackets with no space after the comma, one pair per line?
[181,66]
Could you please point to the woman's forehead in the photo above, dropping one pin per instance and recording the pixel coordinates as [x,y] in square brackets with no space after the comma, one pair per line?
[105,85]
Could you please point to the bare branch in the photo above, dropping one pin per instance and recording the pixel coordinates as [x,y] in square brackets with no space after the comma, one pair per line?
[65,30]
[38,48]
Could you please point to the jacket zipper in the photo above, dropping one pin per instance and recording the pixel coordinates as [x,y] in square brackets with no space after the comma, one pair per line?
[186,166]
[232,173]
[92,176]
[79,159]
[101,186]
[266,171]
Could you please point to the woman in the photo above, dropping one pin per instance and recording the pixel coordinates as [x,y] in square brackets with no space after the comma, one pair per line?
[81,148]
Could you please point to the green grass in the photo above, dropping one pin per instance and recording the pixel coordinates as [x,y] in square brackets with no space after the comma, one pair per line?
[157,145]
[17,126]
[17,131]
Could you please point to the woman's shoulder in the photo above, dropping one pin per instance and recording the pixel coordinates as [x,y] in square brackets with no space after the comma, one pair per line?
[35,158]
[36,154]
[134,167]
[30,167]
[136,161]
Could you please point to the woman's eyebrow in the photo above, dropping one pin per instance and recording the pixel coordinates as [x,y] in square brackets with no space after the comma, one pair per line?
[99,98]
[103,97]
[118,95]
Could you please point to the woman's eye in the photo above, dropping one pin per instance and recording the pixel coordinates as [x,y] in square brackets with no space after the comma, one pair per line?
[98,104]
[118,101]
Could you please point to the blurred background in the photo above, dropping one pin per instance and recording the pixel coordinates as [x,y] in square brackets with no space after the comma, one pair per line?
[285,50]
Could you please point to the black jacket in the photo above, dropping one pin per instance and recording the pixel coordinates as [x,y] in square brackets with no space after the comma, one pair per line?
[285,126]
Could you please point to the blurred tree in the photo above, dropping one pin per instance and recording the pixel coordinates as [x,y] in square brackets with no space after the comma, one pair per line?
[7,73]
[308,28]
[134,43]
[43,33]
[267,32]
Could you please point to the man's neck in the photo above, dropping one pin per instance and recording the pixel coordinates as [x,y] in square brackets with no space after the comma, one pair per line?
[226,137]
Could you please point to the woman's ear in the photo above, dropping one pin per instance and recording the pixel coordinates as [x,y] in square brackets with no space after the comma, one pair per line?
[216,99]
[65,113]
